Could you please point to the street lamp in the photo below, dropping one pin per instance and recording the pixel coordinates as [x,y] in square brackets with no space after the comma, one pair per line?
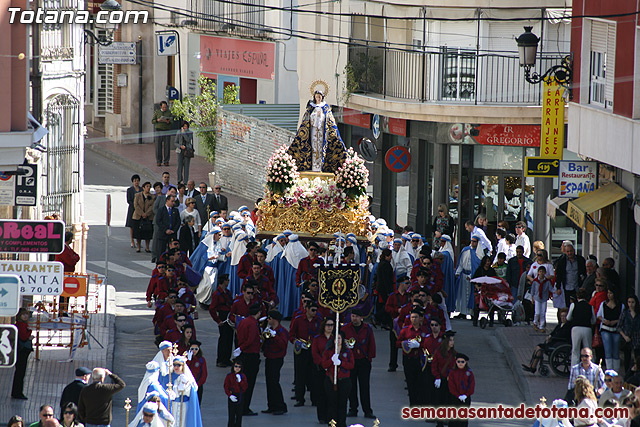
[103,40]
[527,52]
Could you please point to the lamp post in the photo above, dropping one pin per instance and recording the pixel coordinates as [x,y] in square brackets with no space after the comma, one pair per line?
[527,52]
[90,36]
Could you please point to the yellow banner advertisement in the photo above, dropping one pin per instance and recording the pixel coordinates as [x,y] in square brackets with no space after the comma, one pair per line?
[552,131]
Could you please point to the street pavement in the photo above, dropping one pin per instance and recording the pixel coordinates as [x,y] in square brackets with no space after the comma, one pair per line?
[494,361]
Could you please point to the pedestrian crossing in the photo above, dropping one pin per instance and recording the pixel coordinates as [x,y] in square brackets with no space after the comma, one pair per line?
[125,271]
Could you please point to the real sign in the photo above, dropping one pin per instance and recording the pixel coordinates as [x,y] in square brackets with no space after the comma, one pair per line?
[577,178]
[36,278]
[22,236]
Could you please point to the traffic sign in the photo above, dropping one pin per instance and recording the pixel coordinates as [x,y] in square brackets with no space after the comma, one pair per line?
[74,286]
[7,188]
[36,278]
[117,53]
[9,294]
[167,43]
[541,167]
[8,345]
[397,159]
[367,149]
[375,126]
[26,186]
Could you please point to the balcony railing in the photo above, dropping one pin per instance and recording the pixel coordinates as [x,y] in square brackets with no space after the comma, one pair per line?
[246,19]
[447,75]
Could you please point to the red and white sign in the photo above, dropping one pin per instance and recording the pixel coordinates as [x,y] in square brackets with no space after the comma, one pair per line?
[394,126]
[236,57]
[510,135]
[74,286]
[356,118]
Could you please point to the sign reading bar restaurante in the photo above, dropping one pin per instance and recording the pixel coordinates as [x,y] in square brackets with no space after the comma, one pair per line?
[235,57]
[20,236]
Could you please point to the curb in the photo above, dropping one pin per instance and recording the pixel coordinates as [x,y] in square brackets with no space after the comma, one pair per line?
[512,361]
[96,148]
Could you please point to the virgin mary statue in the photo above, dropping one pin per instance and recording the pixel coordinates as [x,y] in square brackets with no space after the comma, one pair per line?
[317,145]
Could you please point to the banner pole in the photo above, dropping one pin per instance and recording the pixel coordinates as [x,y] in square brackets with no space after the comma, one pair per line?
[337,351]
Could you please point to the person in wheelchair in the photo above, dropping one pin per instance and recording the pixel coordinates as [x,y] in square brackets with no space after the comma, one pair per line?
[561,334]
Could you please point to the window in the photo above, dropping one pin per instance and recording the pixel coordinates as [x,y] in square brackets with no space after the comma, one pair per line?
[602,64]
[458,74]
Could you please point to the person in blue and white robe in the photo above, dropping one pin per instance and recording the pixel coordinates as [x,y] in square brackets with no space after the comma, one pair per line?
[209,273]
[287,290]
[185,406]
[467,265]
[163,359]
[147,417]
[150,383]
[239,249]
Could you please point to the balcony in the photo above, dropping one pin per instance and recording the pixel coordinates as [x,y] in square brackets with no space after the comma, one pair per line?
[450,75]
[241,20]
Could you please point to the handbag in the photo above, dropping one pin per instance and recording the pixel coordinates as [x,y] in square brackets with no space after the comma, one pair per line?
[146,226]
[188,152]
[596,342]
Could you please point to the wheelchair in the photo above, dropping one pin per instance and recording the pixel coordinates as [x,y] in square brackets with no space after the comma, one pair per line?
[558,359]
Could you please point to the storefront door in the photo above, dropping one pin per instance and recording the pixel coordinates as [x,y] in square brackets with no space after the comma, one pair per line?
[497,195]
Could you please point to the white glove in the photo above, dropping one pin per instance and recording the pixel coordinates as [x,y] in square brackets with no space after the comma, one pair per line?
[262,319]
[189,355]
[233,398]
[181,292]
[437,383]
[238,378]
[237,352]
[413,344]
[462,397]
[172,394]
[336,359]
[272,332]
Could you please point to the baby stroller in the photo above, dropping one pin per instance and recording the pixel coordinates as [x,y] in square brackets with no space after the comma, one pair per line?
[493,295]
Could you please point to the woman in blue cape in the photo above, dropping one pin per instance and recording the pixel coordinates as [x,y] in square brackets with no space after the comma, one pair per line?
[185,407]
[317,145]
[288,292]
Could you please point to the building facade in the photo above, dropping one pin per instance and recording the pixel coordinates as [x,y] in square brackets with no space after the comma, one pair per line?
[443,81]
[604,124]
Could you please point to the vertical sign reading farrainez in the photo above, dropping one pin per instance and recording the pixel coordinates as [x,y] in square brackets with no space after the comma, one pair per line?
[552,132]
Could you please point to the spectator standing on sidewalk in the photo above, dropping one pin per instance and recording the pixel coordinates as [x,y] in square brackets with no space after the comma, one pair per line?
[162,120]
[71,392]
[131,193]
[184,148]
[96,400]
[25,347]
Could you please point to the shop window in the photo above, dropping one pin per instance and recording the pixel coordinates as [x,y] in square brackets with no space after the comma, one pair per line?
[497,157]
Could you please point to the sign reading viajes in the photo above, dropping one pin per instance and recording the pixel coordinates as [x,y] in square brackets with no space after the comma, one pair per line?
[338,287]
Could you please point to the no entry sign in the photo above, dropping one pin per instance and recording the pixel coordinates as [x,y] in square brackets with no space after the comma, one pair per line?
[74,286]
[397,159]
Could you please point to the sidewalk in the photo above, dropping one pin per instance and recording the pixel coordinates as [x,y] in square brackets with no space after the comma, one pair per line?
[519,343]
[142,158]
[46,378]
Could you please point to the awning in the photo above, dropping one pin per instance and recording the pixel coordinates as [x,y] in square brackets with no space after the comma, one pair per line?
[594,201]
[553,204]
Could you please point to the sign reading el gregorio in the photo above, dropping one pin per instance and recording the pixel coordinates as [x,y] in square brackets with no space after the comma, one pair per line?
[576,178]
[21,236]
[235,57]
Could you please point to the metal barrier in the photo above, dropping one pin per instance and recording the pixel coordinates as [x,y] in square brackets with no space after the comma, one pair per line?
[63,321]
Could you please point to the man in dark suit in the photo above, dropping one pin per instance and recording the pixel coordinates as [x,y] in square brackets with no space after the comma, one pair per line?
[204,200]
[570,272]
[219,203]
[71,392]
[168,221]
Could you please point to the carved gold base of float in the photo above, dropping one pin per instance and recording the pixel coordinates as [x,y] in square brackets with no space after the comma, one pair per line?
[314,222]
[325,176]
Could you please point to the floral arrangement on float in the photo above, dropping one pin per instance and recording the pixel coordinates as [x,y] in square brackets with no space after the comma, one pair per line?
[281,171]
[347,189]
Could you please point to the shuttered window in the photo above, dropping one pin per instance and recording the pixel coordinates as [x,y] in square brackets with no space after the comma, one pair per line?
[602,64]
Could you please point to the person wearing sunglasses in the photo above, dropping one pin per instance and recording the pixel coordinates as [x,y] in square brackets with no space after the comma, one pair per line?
[306,269]
[301,333]
[185,406]
[235,386]
[275,350]
[70,416]
[461,386]
[198,365]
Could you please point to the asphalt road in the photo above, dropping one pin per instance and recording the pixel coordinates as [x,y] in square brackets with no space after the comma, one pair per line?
[129,273]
